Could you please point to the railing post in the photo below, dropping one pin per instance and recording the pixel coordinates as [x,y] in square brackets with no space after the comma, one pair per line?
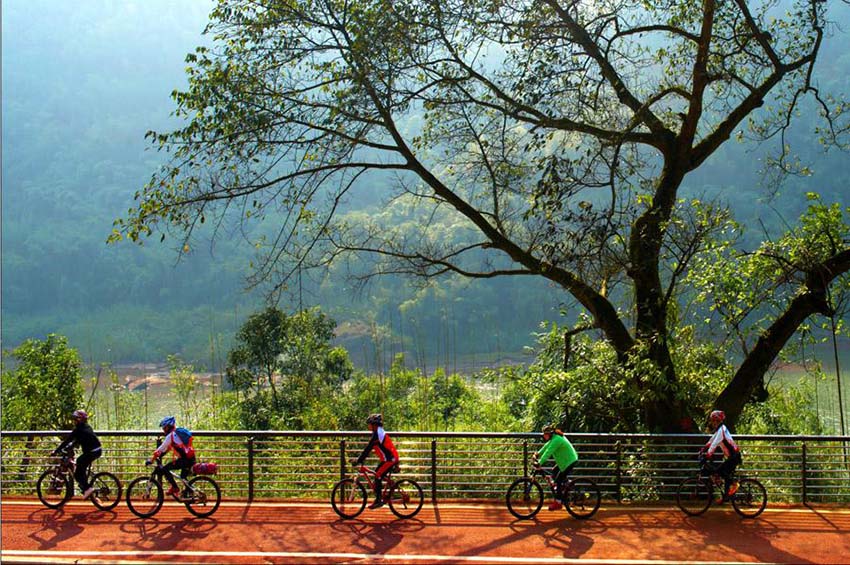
[525,458]
[433,470]
[619,479]
[250,469]
[341,459]
[803,472]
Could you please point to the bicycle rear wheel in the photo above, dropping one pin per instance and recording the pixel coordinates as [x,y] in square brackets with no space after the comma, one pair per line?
[54,488]
[583,498]
[348,498]
[406,498]
[694,496]
[107,491]
[144,497]
[206,496]
[751,498]
[524,498]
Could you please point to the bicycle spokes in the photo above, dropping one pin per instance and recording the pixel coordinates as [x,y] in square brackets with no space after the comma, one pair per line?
[57,484]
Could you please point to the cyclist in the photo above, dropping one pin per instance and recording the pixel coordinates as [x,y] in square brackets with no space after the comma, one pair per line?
[382,445]
[184,454]
[82,435]
[732,455]
[565,455]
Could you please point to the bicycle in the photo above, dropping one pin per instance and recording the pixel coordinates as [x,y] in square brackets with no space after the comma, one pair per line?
[55,486]
[145,495]
[348,497]
[696,494]
[525,495]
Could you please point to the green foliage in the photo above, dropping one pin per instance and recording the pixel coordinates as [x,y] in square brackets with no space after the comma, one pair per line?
[185,384]
[289,363]
[597,394]
[44,387]
[744,291]
[789,410]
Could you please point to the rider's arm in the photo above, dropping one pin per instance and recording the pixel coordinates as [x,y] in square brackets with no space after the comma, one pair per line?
[67,441]
[163,448]
[545,452]
[372,441]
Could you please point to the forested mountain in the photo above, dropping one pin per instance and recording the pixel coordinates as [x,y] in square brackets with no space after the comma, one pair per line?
[83,82]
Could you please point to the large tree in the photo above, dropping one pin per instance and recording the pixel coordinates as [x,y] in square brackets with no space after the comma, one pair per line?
[558,133]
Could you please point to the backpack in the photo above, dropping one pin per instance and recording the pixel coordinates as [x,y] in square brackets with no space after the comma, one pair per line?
[185,435]
[186,439]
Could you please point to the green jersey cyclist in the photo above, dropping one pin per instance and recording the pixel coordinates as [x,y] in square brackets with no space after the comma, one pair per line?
[560,448]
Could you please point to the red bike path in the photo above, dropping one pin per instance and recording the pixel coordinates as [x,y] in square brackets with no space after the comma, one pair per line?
[445,533]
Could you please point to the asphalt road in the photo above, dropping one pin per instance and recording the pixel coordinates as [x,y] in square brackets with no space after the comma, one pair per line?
[447,533]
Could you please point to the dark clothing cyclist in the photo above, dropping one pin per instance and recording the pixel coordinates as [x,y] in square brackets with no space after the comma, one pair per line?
[184,455]
[82,435]
[560,448]
[383,447]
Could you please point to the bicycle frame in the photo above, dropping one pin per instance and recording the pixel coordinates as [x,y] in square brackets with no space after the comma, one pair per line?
[549,474]
[370,476]
[708,470]
[67,464]
[156,477]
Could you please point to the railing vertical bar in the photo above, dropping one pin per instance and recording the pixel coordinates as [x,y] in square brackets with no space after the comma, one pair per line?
[341,459]
[525,458]
[619,478]
[803,471]
[434,470]
[250,469]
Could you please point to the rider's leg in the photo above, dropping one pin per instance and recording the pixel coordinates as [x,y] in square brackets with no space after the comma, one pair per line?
[81,473]
[561,480]
[727,469]
[165,471]
[380,471]
[185,466]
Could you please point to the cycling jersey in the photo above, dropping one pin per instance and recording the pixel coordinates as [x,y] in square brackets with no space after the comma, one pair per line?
[721,438]
[561,449]
[173,441]
[382,445]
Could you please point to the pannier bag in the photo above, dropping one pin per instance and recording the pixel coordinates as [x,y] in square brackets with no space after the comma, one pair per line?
[205,468]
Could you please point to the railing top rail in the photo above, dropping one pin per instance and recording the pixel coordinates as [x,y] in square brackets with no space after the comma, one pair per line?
[258,434]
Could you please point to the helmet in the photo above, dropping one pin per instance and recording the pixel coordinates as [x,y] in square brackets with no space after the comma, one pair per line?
[548,429]
[80,415]
[376,419]
[717,416]
[168,421]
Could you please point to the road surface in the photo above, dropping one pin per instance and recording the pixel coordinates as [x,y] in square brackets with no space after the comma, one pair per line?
[447,533]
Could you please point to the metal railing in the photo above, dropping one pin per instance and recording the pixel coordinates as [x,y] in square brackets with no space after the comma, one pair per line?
[256,465]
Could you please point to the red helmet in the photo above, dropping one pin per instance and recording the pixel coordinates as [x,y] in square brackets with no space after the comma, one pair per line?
[717,416]
[81,415]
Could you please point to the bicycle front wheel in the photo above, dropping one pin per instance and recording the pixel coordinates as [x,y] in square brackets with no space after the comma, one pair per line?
[524,498]
[751,498]
[694,496]
[107,490]
[583,499]
[406,498]
[348,498]
[144,497]
[54,488]
[206,496]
